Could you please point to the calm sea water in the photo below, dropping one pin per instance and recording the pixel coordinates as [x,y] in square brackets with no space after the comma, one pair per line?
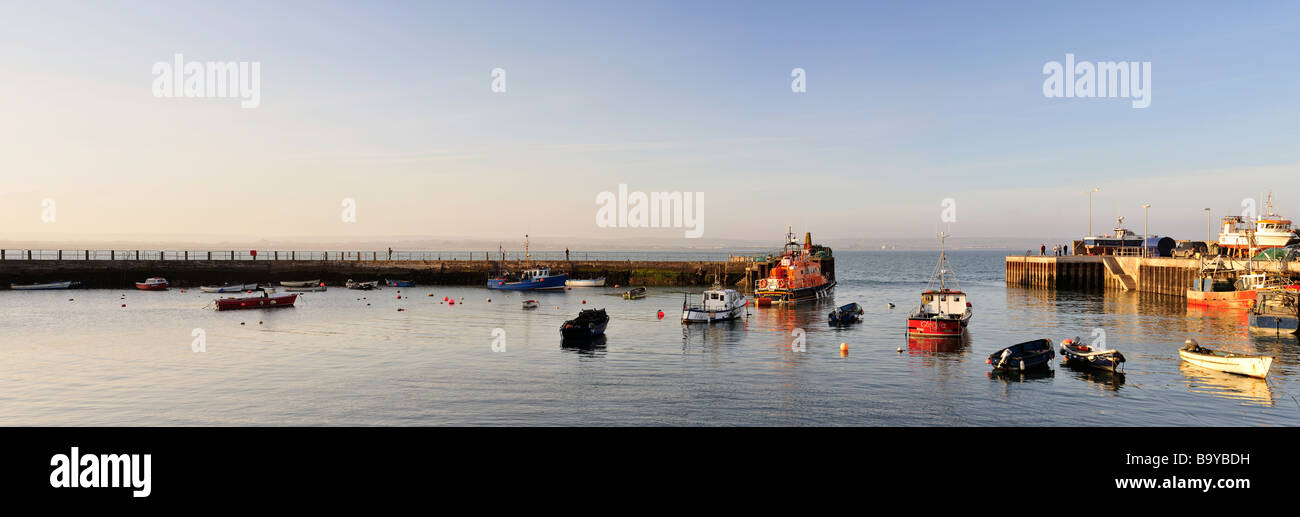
[351,358]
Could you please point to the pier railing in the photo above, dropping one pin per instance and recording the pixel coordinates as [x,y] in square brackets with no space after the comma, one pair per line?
[372,255]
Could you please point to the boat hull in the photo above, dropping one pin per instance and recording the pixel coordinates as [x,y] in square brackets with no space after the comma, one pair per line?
[1108,360]
[307,289]
[594,282]
[301,283]
[1250,366]
[704,316]
[400,283]
[151,287]
[1024,356]
[1240,299]
[803,294]
[550,282]
[256,302]
[1275,323]
[41,287]
[935,326]
[228,288]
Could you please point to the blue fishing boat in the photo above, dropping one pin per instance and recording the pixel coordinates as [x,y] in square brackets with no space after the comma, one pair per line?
[537,278]
[1276,310]
[850,313]
[1023,356]
[399,283]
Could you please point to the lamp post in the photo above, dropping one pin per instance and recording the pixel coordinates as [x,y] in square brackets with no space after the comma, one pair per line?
[1146,229]
[1209,226]
[1089,193]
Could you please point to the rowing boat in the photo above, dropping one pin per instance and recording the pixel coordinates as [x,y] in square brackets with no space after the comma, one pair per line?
[228,288]
[1022,356]
[301,283]
[1240,364]
[41,287]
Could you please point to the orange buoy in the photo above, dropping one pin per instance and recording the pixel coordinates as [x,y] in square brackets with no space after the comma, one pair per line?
[661,314]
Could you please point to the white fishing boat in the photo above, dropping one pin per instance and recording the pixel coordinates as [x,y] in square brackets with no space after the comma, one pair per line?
[301,283]
[592,282]
[228,288]
[715,305]
[1249,236]
[1240,364]
[41,287]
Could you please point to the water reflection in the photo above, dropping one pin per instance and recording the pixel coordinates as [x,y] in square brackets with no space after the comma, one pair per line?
[930,345]
[1226,385]
[712,336]
[1105,379]
[1009,376]
[589,347]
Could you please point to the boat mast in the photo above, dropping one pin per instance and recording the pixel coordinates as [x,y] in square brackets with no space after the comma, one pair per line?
[943,268]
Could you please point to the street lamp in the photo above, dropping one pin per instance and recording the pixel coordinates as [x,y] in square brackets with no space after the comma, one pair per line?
[1209,227]
[1146,229]
[1089,193]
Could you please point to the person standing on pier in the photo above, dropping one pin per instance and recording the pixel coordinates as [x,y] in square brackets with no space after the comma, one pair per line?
[1042,250]
[390,253]
[566,254]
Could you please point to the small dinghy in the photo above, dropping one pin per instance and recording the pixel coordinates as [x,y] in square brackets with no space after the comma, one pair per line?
[593,282]
[228,288]
[635,293]
[266,301]
[850,313]
[1240,364]
[152,284]
[399,283]
[531,304]
[305,289]
[362,286]
[589,324]
[1077,353]
[302,283]
[1022,356]
[41,287]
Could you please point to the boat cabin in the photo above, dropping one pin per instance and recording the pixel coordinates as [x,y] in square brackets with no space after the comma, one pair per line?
[719,299]
[944,302]
[541,272]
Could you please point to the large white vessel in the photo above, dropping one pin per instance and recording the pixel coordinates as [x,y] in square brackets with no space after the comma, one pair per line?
[1267,231]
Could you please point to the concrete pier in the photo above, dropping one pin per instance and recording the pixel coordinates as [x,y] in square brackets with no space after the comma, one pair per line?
[1157,275]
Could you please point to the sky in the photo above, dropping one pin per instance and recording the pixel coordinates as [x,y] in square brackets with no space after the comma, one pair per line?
[390,105]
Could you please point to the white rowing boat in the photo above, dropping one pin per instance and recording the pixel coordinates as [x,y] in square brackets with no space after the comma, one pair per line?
[301,283]
[1240,364]
[236,288]
[41,287]
[305,289]
[592,282]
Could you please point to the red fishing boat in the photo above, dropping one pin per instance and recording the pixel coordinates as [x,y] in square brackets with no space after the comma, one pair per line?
[152,284]
[799,276]
[266,301]
[943,311]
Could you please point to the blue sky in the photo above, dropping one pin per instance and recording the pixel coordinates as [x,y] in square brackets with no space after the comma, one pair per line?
[389,104]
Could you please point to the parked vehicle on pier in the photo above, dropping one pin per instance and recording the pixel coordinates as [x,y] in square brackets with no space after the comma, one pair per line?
[1022,356]
[589,324]
[715,304]
[845,314]
[1191,249]
[1240,364]
[1077,353]
[536,278]
[156,283]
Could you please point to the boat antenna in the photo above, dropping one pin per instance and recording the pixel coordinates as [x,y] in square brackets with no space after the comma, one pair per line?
[943,268]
